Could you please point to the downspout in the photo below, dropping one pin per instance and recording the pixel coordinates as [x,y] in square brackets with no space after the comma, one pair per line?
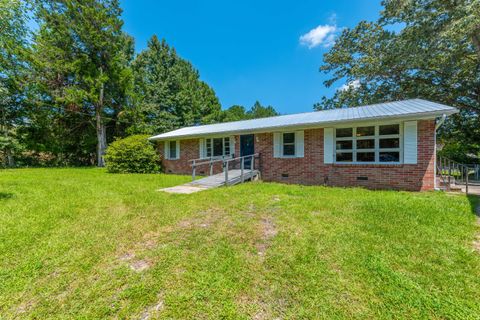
[437,125]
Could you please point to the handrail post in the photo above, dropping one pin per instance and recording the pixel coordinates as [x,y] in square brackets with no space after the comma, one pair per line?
[226,172]
[449,172]
[211,166]
[242,164]
[193,170]
[252,161]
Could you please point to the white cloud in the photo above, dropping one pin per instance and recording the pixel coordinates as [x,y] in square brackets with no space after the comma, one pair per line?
[322,35]
[352,85]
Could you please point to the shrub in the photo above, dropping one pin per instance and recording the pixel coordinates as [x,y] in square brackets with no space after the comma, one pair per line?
[134,154]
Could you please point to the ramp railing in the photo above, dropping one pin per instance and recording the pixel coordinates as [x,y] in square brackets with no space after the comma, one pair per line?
[245,164]
[454,173]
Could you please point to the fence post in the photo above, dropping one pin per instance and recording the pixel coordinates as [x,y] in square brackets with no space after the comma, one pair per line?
[193,170]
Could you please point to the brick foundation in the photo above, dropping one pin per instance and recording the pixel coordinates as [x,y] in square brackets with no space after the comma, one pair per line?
[311,170]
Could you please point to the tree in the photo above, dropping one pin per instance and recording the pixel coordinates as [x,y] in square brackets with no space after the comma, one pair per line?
[169,92]
[13,47]
[425,48]
[81,63]
[259,111]
[236,112]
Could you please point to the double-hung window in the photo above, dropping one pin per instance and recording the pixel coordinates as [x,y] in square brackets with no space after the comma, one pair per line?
[288,144]
[172,150]
[368,144]
[217,147]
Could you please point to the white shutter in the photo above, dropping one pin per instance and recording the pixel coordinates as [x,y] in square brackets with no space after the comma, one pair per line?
[328,145]
[277,145]
[232,145]
[201,148]
[166,150]
[410,142]
[177,156]
[299,144]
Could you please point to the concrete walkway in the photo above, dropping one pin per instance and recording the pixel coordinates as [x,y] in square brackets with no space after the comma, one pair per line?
[213,181]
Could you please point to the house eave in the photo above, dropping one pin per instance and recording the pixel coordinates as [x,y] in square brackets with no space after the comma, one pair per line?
[314,125]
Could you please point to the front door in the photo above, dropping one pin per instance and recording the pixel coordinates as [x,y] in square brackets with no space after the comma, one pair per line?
[247,147]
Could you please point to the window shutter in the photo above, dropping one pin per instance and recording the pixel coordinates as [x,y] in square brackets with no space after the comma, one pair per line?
[232,145]
[410,142]
[276,145]
[201,148]
[177,156]
[328,145]
[299,144]
[166,150]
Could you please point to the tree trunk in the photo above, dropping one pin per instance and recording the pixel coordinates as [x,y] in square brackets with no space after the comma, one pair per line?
[10,159]
[101,130]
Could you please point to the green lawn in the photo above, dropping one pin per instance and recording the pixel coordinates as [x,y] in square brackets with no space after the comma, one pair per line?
[82,243]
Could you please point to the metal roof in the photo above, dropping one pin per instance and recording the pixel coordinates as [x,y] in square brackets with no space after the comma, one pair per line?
[414,108]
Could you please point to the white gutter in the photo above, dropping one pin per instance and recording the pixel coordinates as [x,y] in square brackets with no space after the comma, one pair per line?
[437,126]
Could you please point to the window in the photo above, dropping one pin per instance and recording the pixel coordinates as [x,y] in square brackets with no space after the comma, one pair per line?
[217,147]
[288,144]
[368,144]
[172,149]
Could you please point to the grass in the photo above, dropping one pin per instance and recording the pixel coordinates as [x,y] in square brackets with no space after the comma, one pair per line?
[82,243]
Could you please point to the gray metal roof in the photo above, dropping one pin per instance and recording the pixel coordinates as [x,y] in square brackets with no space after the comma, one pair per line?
[414,108]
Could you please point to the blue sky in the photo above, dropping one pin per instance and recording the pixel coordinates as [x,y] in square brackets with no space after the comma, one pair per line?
[252,50]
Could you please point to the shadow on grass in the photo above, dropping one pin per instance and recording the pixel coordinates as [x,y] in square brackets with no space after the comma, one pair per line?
[475,204]
[6,195]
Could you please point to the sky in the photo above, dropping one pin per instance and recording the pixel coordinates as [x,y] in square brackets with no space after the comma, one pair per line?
[248,50]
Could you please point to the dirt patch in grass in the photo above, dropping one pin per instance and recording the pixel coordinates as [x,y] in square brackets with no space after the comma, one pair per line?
[25,307]
[268,231]
[256,308]
[152,312]
[137,265]
[140,265]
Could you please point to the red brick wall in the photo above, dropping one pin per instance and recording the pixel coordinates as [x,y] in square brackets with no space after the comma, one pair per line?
[311,170]
[189,150]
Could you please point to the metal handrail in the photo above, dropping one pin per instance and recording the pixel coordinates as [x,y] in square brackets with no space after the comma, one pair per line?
[225,162]
[453,169]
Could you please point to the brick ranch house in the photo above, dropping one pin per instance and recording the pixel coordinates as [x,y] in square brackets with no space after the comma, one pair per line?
[382,146]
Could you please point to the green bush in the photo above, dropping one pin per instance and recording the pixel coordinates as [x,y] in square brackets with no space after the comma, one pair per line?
[134,154]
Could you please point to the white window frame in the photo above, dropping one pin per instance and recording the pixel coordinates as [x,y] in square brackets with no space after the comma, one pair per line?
[224,154]
[282,145]
[376,137]
[177,151]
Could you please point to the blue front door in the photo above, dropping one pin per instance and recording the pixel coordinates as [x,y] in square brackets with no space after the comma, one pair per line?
[247,147]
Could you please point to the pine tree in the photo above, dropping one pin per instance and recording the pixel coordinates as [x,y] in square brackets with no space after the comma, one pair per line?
[169,92]
[81,59]
[13,52]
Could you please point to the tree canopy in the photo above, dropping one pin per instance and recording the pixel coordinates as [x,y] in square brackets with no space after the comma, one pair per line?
[236,112]
[74,84]
[417,49]
[169,92]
